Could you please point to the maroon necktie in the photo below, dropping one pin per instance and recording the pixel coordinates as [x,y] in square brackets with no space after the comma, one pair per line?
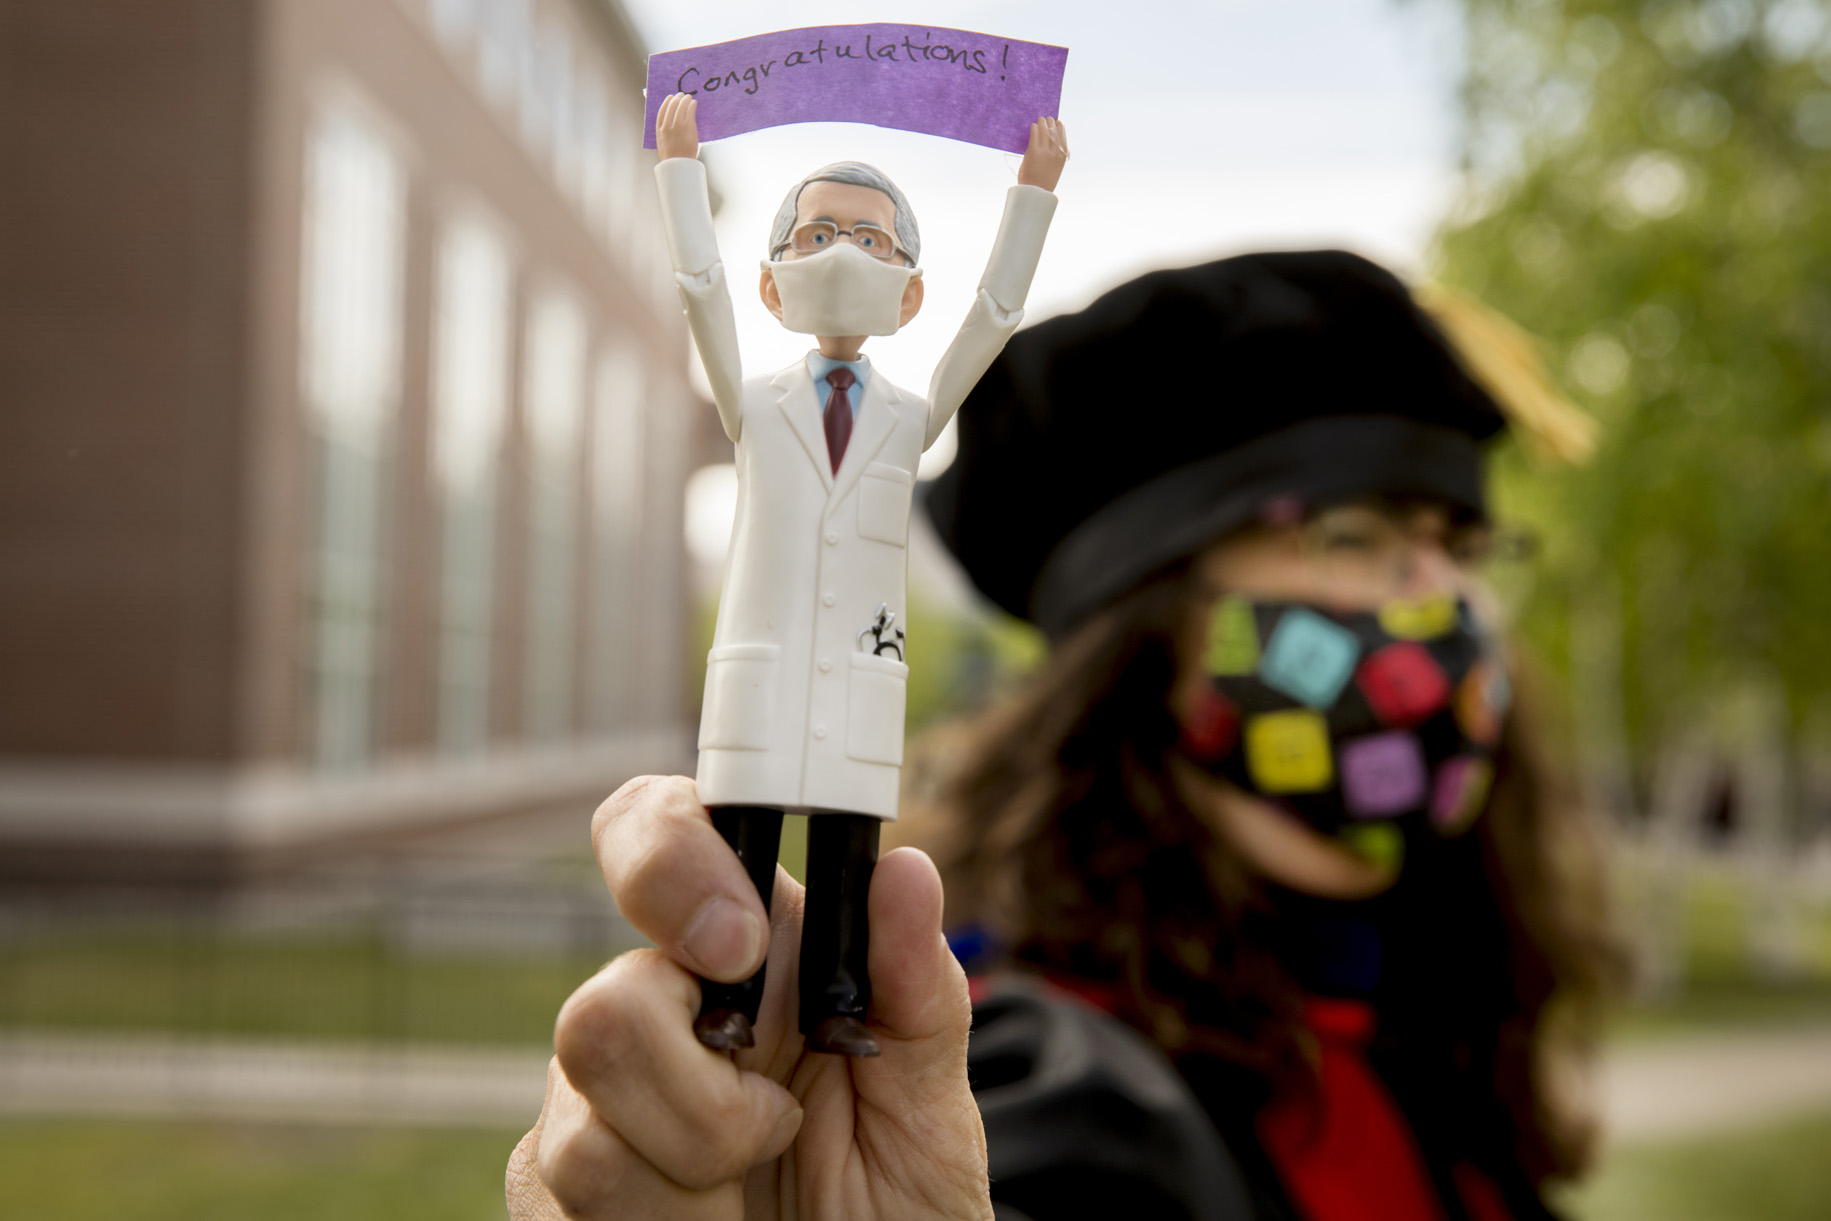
[838,414]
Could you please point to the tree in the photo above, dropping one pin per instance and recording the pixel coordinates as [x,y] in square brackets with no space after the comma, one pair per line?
[1650,192]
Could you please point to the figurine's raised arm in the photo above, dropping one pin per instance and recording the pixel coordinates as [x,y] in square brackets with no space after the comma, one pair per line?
[686,214]
[1047,154]
[999,305]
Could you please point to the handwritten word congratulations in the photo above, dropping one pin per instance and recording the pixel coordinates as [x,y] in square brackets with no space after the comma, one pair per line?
[692,81]
[953,83]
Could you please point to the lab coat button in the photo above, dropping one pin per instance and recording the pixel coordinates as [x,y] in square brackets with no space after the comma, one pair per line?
[829,599]
[832,538]
[820,731]
[825,665]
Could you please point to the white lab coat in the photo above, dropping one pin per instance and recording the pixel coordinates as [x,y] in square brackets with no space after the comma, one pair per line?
[799,713]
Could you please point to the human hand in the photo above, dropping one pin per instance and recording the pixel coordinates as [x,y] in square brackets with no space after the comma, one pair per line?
[1047,154]
[677,127]
[641,1120]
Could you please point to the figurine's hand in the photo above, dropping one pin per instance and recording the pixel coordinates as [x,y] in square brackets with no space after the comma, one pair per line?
[1047,154]
[641,1120]
[677,127]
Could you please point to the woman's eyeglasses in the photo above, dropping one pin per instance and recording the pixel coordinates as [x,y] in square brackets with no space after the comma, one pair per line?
[1384,540]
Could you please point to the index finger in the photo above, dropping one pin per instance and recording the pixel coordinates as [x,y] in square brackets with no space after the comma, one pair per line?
[676,880]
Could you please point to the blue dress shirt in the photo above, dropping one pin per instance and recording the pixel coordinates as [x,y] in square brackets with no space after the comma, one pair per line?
[819,366]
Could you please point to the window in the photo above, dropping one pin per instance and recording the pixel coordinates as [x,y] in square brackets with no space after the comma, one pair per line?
[454,20]
[546,64]
[618,491]
[623,143]
[546,95]
[590,134]
[652,262]
[502,48]
[350,370]
[469,401]
[553,394]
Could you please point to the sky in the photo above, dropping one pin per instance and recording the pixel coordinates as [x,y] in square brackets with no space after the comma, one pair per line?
[1198,128]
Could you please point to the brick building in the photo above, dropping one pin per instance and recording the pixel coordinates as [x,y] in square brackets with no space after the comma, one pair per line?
[343,425]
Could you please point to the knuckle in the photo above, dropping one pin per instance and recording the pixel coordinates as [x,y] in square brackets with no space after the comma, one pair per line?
[677,795]
[619,804]
[670,796]
[722,1135]
[712,1163]
[600,1025]
[583,1166]
[642,875]
[708,1166]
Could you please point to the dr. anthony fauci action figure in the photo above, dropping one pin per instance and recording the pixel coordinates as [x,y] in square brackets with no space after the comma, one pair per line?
[805,682]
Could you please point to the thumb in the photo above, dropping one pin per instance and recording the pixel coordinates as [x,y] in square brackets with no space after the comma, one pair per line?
[921,1014]
[918,989]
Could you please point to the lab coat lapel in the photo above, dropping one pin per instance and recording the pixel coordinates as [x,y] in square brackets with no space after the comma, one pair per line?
[876,420]
[795,398]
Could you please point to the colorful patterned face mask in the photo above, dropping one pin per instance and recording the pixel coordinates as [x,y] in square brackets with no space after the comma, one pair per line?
[1369,726]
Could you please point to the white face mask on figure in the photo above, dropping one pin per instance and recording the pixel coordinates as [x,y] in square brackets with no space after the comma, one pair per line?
[841,291]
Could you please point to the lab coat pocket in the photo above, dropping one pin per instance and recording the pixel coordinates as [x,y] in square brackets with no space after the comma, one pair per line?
[741,684]
[874,709]
[883,503]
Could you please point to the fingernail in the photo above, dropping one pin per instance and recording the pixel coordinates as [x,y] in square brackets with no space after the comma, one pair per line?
[724,939]
[787,1128]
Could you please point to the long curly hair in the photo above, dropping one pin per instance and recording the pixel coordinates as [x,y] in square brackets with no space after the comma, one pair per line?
[1058,824]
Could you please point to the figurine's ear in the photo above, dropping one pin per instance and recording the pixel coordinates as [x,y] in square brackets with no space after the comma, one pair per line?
[766,288]
[912,301]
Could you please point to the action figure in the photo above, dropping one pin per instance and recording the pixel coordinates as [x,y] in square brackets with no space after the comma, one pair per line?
[805,682]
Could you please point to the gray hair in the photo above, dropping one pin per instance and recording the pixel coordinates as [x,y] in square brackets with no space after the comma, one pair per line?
[852,173]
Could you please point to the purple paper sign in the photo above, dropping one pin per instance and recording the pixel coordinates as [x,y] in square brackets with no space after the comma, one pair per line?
[953,83]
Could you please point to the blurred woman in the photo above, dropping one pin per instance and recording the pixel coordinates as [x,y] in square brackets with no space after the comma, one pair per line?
[1269,802]
[1272,911]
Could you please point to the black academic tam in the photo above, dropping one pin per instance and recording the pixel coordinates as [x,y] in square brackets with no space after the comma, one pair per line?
[1103,445]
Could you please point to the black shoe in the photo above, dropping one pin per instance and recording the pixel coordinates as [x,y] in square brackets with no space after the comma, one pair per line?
[843,1036]
[725,1030]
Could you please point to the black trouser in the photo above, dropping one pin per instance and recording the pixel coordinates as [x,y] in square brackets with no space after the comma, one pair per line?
[835,926]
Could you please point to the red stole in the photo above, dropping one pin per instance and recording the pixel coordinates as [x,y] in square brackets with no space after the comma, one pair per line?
[1343,1149]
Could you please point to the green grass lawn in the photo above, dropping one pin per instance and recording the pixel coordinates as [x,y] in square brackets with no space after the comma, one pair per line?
[354,984]
[1725,1005]
[331,988]
[1775,1172]
[139,1171]
[352,988]
[356,987]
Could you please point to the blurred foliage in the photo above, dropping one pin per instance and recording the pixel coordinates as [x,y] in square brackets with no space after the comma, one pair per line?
[1650,192]
[964,659]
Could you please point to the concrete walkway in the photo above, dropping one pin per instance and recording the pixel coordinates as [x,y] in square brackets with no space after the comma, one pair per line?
[1696,1085]
[1661,1089]
[45,1074]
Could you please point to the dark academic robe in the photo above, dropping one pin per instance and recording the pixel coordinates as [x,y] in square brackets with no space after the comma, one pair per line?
[1085,1118]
